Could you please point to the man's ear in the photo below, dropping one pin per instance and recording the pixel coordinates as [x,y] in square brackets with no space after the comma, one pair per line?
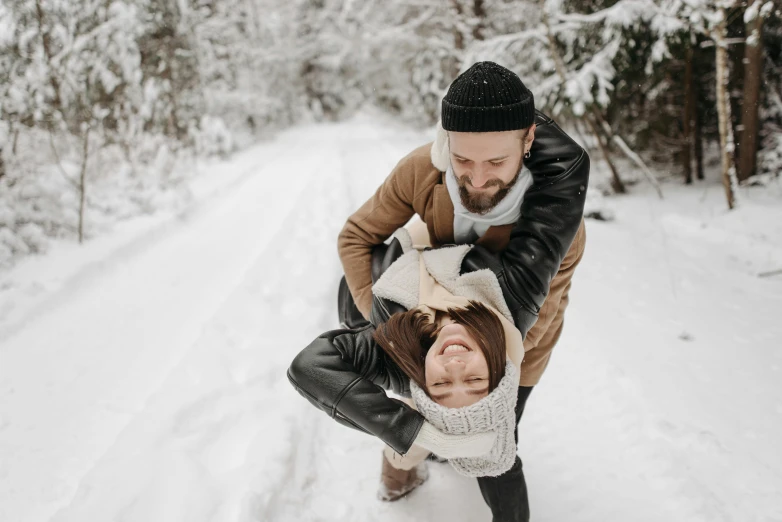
[530,138]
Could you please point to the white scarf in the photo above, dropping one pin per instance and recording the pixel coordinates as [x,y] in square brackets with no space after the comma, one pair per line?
[468,226]
[495,412]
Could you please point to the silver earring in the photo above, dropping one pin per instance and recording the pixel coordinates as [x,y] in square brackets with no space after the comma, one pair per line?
[527,154]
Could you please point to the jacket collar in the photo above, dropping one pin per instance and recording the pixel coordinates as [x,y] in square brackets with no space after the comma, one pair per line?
[496,237]
[443,215]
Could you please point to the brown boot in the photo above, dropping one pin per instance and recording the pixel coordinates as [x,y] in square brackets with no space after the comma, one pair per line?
[396,483]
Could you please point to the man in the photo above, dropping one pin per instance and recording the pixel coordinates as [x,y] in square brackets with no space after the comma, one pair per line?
[505,178]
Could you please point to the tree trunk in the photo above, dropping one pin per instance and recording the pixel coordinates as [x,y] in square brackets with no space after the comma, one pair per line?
[727,144]
[47,51]
[735,56]
[616,139]
[687,123]
[697,133]
[458,35]
[753,73]
[616,182]
[83,183]
[479,9]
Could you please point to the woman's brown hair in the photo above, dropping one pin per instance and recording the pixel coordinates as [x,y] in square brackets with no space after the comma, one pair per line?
[407,336]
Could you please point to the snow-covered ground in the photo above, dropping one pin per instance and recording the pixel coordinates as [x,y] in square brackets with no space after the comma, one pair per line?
[142,376]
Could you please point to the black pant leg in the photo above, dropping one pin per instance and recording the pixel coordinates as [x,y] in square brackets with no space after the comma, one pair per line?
[506,495]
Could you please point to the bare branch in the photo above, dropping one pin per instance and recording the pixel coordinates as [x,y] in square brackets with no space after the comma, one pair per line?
[507,39]
[624,9]
[639,162]
[59,162]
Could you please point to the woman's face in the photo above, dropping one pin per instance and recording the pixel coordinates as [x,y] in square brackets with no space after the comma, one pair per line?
[456,371]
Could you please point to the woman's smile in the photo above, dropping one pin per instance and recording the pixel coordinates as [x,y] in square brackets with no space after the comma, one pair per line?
[454,349]
[456,369]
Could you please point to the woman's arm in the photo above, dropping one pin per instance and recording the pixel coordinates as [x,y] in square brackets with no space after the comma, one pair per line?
[344,373]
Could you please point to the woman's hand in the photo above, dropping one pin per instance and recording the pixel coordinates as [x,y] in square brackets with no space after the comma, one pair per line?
[454,446]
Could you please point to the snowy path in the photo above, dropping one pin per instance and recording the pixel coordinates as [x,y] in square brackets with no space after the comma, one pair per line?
[156,391]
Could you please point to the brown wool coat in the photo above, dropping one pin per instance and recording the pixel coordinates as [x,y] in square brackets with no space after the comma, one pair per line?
[415,186]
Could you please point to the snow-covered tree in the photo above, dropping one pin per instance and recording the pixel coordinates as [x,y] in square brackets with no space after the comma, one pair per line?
[754,17]
[248,63]
[134,83]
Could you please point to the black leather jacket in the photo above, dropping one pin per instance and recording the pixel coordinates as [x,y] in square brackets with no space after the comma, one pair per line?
[344,372]
[550,216]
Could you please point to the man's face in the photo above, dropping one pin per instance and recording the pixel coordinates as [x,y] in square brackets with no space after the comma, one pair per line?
[487,165]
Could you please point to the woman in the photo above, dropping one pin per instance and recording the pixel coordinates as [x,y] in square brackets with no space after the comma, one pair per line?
[443,337]
[462,382]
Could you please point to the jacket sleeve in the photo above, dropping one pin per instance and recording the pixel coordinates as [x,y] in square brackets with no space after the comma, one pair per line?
[387,210]
[544,334]
[344,373]
[550,217]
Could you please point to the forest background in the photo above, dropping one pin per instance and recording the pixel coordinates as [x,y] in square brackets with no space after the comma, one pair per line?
[106,106]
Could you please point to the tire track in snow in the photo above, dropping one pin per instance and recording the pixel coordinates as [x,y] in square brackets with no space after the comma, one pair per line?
[336,472]
[309,281]
[141,242]
[224,438]
[566,481]
[127,408]
[234,374]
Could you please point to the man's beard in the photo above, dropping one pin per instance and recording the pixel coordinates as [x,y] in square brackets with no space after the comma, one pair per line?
[483,203]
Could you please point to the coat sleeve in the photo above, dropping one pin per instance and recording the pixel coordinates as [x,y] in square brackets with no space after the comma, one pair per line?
[344,373]
[543,336]
[550,217]
[387,210]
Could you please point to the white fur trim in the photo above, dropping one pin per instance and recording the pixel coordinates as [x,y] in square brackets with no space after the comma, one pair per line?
[481,286]
[441,153]
[399,282]
[444,264]
[404,238]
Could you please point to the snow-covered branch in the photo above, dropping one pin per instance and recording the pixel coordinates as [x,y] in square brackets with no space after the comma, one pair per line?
[624,13]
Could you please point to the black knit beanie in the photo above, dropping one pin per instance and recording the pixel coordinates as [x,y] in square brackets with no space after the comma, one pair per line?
[487,98]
